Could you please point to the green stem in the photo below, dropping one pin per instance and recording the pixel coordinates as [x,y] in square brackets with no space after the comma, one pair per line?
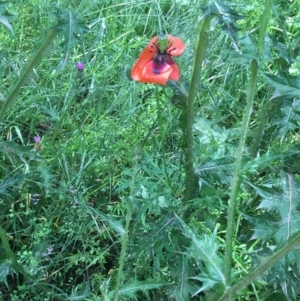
[262,268]
[123,251]
[162,138]
[237,171]
[124,239]
[263,26]
[159,120]
[187,113]
[27,71]
[233,203]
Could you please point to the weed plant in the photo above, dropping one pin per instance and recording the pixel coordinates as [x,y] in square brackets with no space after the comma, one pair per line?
[115,190]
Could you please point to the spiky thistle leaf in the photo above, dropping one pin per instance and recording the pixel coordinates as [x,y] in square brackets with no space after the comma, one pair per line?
[204,249]
[131,289]
[287,85]
[227,16]
[278,220]
[71,27]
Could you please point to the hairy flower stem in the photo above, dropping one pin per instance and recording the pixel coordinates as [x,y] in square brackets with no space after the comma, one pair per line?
[293,242]
[27,71]
[187,117]
[233,203]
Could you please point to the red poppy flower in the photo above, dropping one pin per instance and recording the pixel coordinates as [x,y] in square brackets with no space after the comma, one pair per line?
[155,64]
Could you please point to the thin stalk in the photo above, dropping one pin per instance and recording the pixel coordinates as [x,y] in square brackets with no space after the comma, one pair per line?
[293,242]
[233,203]
[162,138]
[237,171]
[123,251]
[27,71]
[159,119]
[124,239]
[187,113]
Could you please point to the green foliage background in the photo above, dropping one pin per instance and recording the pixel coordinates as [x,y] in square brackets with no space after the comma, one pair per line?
[97,213]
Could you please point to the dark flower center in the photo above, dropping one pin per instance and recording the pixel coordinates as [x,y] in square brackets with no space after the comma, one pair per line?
[159,61]
[162,58]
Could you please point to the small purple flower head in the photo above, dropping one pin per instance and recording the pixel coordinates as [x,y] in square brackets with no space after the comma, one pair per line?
[37,139]
[80,66]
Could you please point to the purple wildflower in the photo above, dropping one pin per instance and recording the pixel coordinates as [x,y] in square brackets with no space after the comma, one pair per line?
[80,66]
[37,139]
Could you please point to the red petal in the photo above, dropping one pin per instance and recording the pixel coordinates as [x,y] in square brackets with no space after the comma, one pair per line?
[149,77]
[176,47]
[145,57]
[151,44]
[175,74]
[147,71]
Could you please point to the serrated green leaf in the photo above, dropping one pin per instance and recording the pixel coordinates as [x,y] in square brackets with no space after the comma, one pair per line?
[71,27]
[289,119]
[286,85]
[116,225]
[205,248]
[45,176]
[130,289]
[261,162]
[277,221]
[6,269]
[9,182]
[282,218]
[80,295]
[183,287]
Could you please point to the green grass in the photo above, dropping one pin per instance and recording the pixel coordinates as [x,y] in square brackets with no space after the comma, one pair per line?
[107,208]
